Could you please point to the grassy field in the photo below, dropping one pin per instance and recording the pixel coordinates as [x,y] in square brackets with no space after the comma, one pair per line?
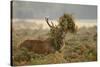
[80,47]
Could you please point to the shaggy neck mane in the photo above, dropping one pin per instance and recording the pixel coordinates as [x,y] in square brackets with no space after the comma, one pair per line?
[57,38]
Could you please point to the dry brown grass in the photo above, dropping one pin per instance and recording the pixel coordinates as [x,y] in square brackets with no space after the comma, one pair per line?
[80,47]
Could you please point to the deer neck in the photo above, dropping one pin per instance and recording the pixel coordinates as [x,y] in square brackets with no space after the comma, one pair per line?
[58,39]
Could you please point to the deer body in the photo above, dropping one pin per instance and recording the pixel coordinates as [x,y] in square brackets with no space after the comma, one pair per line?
[38,46]
[56,41]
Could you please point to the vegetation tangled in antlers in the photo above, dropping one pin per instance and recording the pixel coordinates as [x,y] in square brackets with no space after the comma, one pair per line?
[58,32]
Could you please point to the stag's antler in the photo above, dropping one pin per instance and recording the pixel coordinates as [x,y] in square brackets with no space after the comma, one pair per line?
[48,22]
[52,24]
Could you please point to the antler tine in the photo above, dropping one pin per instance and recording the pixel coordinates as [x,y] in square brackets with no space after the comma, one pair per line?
[47,22]
[52,24]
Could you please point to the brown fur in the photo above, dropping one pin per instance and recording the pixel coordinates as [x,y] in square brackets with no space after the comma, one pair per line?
[38,46]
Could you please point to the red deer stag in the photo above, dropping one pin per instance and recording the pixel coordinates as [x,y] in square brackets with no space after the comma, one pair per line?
[56,40]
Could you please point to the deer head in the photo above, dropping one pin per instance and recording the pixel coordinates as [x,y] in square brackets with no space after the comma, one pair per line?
[58,32]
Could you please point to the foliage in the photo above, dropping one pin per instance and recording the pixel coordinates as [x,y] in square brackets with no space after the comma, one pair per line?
[58,32]
[79,47]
